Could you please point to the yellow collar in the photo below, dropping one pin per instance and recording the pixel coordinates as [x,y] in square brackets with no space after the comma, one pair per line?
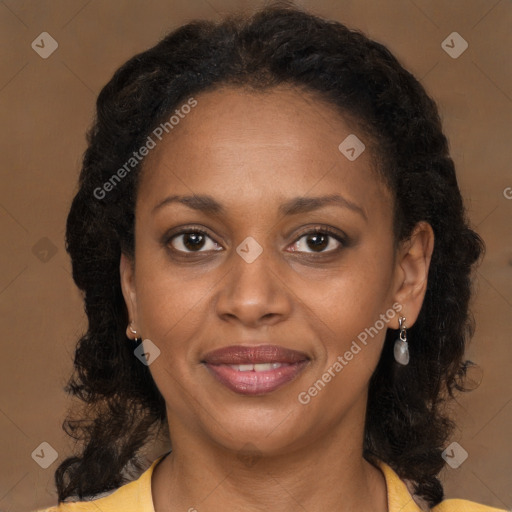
[399,497]
[137,497]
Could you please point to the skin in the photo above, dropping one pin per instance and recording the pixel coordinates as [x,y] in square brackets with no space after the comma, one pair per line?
[252,152]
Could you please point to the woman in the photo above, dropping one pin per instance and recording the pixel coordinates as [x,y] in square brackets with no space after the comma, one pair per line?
[276,264]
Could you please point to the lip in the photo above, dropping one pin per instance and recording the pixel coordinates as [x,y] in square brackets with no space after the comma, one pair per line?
[251,382]
[244,354]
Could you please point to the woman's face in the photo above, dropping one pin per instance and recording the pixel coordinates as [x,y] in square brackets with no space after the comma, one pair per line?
[254,171]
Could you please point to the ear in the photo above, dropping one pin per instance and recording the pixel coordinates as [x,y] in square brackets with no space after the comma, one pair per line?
[127,274]
[412,265]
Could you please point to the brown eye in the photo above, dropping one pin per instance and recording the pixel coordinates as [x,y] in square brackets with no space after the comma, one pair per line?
[318,240]
[193,241]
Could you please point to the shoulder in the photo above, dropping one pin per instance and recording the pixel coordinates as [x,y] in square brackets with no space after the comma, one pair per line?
[452,505]
[133,497]
[123,498]
[401,497]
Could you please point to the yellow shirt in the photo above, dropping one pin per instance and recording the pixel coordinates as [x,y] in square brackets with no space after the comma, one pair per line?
[136,497]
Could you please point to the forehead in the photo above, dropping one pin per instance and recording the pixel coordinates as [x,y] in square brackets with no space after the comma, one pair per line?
[242,145]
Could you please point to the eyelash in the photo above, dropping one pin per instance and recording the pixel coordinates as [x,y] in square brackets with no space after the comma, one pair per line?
[324,230]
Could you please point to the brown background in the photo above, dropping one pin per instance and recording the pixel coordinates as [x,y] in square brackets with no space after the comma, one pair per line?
[46,106]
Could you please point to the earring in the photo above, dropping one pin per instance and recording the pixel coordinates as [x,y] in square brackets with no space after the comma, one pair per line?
[401,349]
[132,330]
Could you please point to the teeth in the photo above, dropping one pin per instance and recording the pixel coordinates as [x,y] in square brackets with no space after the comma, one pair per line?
[260,367]
[265,367]
[244,367]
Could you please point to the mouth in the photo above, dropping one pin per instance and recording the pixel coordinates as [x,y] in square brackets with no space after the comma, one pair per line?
[255,370]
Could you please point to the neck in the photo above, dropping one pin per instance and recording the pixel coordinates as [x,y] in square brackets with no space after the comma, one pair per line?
[329,474]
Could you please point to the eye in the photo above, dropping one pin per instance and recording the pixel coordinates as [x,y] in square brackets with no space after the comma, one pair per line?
[320,240]
[192,240]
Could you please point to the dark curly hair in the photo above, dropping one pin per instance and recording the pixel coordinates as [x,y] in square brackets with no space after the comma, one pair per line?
[407,423]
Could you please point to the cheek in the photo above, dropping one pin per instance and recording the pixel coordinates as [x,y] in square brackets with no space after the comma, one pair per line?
[351,298]
[169,315]
[168,300]
[352,337]
[352,316]
[354,345]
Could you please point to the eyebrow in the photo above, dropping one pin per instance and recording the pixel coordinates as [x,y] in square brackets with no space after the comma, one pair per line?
[207,204]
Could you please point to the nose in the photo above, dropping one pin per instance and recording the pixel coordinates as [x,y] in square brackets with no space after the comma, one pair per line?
[254,293]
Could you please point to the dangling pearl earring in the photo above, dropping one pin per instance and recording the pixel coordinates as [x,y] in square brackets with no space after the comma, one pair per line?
[401,350]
